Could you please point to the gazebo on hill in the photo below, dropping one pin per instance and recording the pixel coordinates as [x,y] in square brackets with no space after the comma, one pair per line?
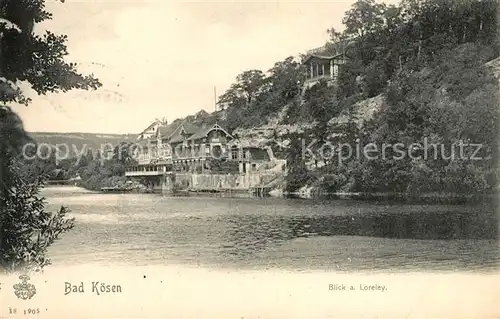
[320,67]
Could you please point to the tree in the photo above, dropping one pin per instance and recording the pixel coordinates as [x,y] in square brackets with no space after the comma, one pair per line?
[334,35]
[364,17]
[454,102]
[249,83]
[286,78]
[36,59]
[26,230]
[232,98]
[243,98]
[244,91]
[427,57]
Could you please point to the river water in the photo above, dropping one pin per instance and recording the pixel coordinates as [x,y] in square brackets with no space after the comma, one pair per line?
[270,233]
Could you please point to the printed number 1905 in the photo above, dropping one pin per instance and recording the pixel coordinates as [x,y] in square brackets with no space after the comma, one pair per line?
[30,311]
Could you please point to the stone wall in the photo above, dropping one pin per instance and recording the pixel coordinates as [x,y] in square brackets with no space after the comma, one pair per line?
[215,181]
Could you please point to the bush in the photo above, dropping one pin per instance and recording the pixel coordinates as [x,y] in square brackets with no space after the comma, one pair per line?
[28,229]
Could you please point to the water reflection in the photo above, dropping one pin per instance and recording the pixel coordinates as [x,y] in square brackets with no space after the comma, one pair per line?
[257,231]
[405,240]
[340,235]
[248,234]
[420,225]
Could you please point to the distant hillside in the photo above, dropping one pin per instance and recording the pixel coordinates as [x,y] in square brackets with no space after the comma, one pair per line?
[90,140]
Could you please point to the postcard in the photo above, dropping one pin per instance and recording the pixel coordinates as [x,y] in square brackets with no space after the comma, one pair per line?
[255,159]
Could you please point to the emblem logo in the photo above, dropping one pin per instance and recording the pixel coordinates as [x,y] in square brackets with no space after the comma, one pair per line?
[24,290]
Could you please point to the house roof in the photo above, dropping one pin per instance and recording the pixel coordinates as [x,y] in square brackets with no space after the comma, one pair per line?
[188,128]
[258,154]
[166,130]
[203,132]
[172,132]
[322,57]
[150,127]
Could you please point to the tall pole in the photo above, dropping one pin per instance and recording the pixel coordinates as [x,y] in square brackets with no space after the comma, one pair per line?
[215,99]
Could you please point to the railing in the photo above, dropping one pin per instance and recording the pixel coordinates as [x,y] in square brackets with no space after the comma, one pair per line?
[327,77]
[187,154]
[144,173]
[147,158]
[197,155]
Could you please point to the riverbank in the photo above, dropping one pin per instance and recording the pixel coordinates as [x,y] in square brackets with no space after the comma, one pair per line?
[430,198]
[425,198]
[115,184]
[183,187]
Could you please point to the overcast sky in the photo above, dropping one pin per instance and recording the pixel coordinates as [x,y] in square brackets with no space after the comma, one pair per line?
[163,58]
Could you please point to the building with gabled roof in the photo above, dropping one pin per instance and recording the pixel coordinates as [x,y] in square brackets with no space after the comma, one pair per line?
[165,131]
[182,132]
[203,132]
[187,147]
[198,144]
[150,131]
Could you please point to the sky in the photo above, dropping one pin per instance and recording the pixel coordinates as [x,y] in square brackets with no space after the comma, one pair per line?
[162,59]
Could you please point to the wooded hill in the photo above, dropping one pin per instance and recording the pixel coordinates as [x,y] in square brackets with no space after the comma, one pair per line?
[424,62]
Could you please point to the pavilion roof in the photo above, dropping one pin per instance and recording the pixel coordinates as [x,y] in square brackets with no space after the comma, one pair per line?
[322,57]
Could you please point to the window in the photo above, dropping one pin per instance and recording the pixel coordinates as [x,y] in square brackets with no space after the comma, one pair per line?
[234,152]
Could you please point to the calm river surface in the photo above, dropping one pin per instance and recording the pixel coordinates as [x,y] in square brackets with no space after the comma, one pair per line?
[244,233]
